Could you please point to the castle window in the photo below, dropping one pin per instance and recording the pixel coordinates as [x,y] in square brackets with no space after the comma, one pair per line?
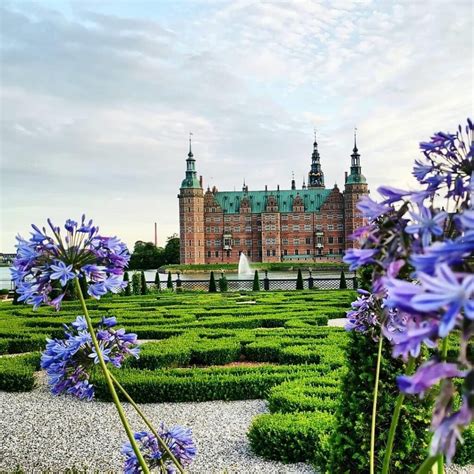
[229,253]
[296,241]
[248,242]
[226,218]
[296,227]
[340,226]
[307,217]
[330,227]
[340,240]
[284,217]
[308,240]
[216,229]
[330,240]
[318,217]
[319,227]
[341,251]
[307,227]
[320,239]
[249,252]
[208,219]
[237,228]
[248,228]
[237,241]
[208,254]
[296,217]
[268,253]
[296,252]
[284,227]
[217,253]
[259,253]
[273,253]
[285,252]
[267,227]
[284,241]
[308,252]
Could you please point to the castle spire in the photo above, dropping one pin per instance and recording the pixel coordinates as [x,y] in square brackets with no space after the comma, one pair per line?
[293,183]
[356,175]
[316,175]
[191,180]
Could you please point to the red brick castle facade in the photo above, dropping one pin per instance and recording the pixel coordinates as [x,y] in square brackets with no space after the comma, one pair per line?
[312,223]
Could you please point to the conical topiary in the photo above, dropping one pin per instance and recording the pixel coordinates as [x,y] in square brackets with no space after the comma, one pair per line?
[256,282]
[299,280]
[169,283]
[223,285]
[157,281]
[342,281]
[136,284]
[143,287]
[212,284]
[127,291]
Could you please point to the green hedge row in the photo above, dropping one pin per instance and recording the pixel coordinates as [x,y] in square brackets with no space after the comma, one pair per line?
[17,373]
[305,395]
[184,385]
[292,437]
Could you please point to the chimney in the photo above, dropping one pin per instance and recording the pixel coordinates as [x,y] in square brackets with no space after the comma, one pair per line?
[156,234]
[278,187]
[200,180]
[266,188]
[346,178]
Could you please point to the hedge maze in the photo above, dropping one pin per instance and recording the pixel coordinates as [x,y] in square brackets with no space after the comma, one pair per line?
[220,346]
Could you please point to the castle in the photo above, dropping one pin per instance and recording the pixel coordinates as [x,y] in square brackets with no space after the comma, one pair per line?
[308,224]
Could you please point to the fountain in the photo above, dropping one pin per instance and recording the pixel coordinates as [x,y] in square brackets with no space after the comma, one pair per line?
[244,265]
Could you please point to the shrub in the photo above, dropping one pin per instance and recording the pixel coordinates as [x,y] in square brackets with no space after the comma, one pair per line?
[263,351]
[292,437]
[215,352]
[465,452]
[212,284]
[223,284]
[157,281]
[351,439]
[169,282]
[300,355]
[299,280]
[256,282]
[136,284]
[342,281]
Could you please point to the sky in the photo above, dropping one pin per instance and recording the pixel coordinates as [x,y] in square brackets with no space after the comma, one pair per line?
[97,100]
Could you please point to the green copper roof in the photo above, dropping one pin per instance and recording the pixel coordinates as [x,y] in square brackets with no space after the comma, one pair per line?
[356,179]
[190,182]
[313,199]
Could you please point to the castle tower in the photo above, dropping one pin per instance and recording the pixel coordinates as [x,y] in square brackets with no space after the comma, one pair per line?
[316,175]
[191,215]
[355,187]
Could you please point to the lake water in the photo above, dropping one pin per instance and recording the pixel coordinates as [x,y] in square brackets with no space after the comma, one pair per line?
[5,281]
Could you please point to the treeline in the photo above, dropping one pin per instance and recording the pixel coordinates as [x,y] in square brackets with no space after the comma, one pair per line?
[147,256]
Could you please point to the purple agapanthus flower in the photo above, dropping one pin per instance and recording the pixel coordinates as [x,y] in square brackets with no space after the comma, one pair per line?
[358,257]
[426,376]
[391,194]
[372,209]
[426,225]
[68,361]
[448,432]
[178,440]
[45,261]
[363,316]
[448,293]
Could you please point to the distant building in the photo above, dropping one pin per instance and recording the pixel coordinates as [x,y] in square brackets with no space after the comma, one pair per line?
[312,223]
[7,257]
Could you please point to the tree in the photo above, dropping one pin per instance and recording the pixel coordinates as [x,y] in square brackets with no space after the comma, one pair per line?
[143,287]
[127,290]
[171,252]
[256,282]
[212,284]
[299,280]
[157,281]
[169,283]
[342,281]
[146,256]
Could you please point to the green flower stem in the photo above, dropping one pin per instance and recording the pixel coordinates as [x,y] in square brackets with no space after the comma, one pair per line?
[148,423]
[110,384]
[394,423]
[444,355]
[425,468]
[374,406]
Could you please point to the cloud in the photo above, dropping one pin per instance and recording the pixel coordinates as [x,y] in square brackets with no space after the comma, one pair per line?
[97,104]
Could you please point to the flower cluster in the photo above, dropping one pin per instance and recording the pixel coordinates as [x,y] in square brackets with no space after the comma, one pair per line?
[421,246]
[68,362]
[178,440]
[45,265]
[363,316]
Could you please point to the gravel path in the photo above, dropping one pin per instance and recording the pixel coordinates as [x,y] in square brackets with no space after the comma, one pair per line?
[39,431]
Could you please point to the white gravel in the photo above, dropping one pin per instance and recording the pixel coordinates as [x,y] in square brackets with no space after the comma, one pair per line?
[39,431]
